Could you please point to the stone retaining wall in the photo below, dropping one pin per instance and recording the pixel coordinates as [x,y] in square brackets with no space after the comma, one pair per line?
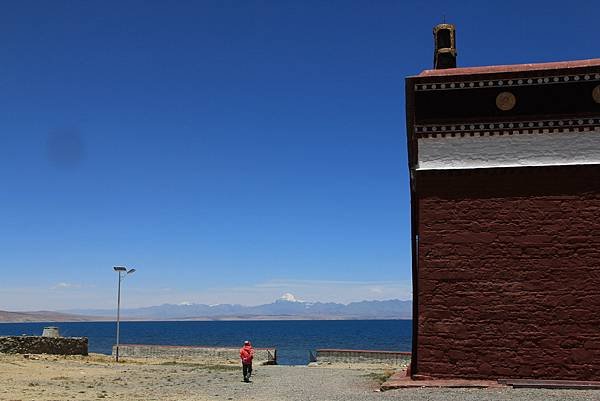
[363,356]
[262,356]
[44,345]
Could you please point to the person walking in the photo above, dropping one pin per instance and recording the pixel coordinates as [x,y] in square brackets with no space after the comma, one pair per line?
[246,354]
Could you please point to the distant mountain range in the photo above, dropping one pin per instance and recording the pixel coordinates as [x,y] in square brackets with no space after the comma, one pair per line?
[44,316]
[285,308]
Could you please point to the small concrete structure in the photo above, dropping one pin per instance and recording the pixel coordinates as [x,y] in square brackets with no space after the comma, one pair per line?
[51,332]
[262,356]
[352,356]
[44,345]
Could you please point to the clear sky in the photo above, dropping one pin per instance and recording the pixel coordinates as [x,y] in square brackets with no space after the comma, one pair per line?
[231,151]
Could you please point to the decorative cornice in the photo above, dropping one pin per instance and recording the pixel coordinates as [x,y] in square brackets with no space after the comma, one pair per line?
[507,82]
[508,127]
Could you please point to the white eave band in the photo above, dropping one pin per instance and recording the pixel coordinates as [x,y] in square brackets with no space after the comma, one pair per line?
[517,150]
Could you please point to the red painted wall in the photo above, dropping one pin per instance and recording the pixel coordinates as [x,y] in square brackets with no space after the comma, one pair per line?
[509,273]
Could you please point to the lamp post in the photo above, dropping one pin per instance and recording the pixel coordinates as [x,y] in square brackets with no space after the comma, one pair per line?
[122,272]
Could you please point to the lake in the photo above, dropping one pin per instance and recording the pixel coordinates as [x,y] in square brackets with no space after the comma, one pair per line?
[293,339]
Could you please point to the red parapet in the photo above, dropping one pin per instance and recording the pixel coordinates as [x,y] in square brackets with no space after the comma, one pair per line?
[492,69]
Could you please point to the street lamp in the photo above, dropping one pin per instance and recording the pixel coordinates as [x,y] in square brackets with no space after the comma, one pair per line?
[122,272]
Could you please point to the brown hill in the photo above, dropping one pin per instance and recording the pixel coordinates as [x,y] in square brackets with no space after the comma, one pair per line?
[44,316]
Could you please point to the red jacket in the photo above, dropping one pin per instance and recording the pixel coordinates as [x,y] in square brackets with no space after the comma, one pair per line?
[247,353]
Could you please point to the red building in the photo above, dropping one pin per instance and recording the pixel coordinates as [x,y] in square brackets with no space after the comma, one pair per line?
[505,186]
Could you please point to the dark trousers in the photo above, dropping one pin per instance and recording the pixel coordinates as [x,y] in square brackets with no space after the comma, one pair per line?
[247,370]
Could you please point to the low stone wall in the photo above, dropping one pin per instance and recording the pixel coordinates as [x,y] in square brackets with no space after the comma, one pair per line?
[362,356]
[262,356]
[44,345]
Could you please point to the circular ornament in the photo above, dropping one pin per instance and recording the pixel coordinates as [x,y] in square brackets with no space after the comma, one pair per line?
[506,101]
[596,94]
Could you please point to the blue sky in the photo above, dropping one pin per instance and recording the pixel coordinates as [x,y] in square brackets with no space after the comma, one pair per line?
[231,151]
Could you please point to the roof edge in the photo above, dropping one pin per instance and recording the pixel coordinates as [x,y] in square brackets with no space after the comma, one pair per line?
[493,69]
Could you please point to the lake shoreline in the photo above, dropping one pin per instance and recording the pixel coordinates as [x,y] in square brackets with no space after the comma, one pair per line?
[293,339]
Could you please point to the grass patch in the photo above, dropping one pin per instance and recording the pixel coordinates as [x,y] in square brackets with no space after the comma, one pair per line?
[380,377]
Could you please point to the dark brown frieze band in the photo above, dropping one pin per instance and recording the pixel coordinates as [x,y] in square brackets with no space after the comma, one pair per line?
[509,127]
[504,83]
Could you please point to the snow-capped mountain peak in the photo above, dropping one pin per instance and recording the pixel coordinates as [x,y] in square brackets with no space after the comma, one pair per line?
[289,298]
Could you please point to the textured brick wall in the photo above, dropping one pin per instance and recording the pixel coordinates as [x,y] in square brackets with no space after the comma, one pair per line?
[44,345]
[509,273]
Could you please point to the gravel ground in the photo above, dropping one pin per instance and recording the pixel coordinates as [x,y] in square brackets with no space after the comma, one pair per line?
[47,378]
[333,384]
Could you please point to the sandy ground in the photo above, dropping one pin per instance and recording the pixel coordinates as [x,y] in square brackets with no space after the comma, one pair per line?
[45,378]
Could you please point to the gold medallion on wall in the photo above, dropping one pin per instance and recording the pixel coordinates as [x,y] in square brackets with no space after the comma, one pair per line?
[505,101]
[596,94]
